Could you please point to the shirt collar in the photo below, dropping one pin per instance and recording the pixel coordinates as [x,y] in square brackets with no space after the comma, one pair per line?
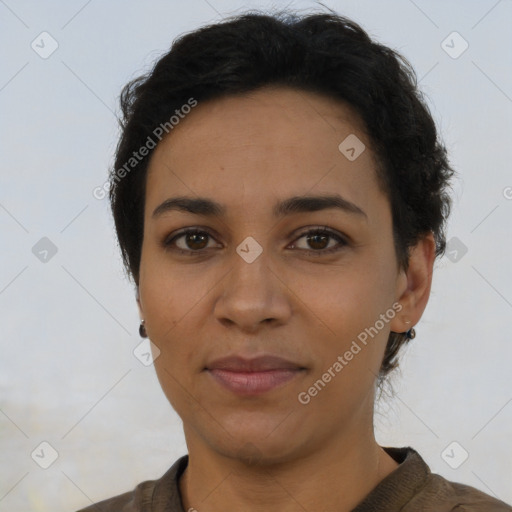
[392,493]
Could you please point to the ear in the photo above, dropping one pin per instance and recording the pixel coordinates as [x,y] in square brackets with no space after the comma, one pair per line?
[413,284]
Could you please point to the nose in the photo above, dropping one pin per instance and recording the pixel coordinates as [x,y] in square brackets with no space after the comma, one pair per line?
[253,295]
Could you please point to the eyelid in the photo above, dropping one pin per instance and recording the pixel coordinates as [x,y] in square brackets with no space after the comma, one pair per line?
[341,238]
[192,229]
[323,229]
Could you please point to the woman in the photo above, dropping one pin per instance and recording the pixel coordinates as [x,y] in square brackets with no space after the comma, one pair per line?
[280,197]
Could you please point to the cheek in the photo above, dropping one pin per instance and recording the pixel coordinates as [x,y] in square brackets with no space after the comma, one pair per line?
[347,296]
[347,344]
[171,304]
[170,294]
[171,309]
[342,308]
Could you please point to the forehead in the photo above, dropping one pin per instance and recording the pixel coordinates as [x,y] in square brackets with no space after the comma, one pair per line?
[272,142]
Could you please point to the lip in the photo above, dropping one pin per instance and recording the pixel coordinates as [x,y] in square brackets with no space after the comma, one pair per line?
[250,377]
[256,364]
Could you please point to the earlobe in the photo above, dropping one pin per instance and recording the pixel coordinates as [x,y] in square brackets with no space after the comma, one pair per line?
[142,326]
[137,298]
[416,292]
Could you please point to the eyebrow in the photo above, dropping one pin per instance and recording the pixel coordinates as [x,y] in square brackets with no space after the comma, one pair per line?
[297,204]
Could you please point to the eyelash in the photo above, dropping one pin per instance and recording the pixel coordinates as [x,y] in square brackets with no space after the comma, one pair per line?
[168,243]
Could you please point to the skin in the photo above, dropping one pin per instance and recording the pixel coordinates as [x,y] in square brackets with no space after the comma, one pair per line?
[270,452]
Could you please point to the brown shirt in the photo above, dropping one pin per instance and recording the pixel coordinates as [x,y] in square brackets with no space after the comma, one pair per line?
[411,487]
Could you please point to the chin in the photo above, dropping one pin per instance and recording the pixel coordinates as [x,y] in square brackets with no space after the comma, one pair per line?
[257,441]
[252,453]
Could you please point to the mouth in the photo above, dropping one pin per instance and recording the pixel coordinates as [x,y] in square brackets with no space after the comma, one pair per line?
[251,377]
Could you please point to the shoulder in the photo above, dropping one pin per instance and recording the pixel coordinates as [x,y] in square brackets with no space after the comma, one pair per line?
[136,500]
[412,487]
[148,496]
[441,495]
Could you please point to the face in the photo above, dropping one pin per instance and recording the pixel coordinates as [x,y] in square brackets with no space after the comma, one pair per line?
[256,282]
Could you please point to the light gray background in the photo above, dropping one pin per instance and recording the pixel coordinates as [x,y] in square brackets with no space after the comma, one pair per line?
[69,325]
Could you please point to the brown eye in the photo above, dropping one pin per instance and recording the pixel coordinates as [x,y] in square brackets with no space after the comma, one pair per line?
[192,241]
[318,241]
[196,240]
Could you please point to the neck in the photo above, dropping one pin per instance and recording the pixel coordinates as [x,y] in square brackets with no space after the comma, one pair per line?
[335,478]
